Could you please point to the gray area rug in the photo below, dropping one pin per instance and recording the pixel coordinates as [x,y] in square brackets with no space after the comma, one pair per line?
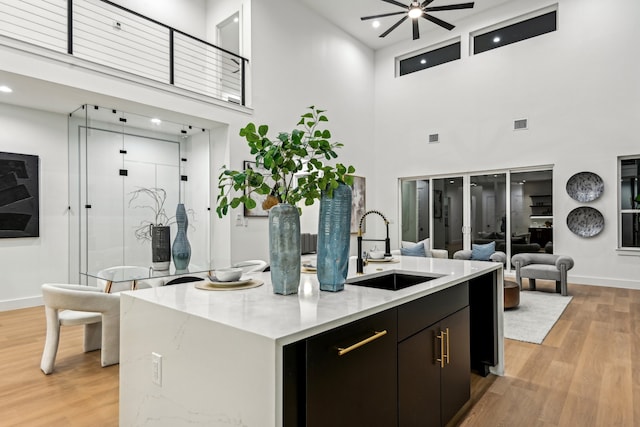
[535,316]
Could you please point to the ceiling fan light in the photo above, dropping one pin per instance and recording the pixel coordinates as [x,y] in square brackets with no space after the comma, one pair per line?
[415,12]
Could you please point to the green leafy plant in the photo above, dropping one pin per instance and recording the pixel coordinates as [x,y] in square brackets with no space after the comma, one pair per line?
[289,168]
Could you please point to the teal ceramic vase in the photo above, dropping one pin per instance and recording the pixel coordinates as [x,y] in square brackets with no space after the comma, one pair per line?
[181,249]
[284,248]
[334,236]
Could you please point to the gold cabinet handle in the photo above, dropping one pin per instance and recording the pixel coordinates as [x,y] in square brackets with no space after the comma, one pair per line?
[444,348]
[442,355]
[446,355]
[375,336]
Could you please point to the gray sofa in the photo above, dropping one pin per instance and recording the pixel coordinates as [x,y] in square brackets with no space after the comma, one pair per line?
[543,266]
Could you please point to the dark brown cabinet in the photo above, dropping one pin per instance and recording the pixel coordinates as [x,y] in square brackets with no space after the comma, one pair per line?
[406,366]
[434,363]
[351,376]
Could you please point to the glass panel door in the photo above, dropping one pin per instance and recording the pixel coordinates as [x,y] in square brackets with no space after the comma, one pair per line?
[448,214]
[489,210]
[531,212]
[415,210]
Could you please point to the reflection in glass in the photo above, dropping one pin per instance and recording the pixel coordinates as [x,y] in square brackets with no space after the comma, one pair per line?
[531,212]
[448,214]
[488,209]
[630,203]
[415,210]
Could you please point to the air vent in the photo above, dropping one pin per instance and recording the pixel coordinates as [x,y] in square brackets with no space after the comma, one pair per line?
[433,138]
[520,124]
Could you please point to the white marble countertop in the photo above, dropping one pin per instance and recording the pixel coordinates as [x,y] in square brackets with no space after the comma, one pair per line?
[289,318]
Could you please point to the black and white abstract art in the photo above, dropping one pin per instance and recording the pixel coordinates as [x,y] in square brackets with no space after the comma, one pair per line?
[19,197]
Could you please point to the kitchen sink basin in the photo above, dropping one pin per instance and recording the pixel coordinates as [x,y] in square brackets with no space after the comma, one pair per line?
[391,281]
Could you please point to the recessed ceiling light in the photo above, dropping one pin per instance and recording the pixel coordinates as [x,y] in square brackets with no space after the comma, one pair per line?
[5,89]
[156,121]
[375,24]
[236,19]
[423,61]
[496,39]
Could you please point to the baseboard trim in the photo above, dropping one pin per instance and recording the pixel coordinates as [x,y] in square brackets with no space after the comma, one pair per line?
[607,282]
[16,304]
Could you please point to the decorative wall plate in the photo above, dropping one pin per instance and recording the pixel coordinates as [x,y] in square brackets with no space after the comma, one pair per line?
[585,221]
[585,186]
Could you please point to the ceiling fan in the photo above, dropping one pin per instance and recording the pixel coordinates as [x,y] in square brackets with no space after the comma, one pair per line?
[417,10]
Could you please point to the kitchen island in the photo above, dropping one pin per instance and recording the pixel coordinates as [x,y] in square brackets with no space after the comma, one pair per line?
[218,358]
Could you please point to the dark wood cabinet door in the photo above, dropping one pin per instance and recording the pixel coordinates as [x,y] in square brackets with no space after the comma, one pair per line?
[431,392]
[419,379]
[358,388]
[455,381]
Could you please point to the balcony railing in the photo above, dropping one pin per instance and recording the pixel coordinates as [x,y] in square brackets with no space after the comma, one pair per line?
[111,35]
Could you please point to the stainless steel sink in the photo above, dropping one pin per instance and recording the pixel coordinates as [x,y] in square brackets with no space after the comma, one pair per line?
[390,280]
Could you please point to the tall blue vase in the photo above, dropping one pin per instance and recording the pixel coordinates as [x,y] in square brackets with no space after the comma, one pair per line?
[284,248]
[334,238]
[181,249]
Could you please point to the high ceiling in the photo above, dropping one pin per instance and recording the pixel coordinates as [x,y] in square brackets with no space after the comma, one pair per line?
[346,15]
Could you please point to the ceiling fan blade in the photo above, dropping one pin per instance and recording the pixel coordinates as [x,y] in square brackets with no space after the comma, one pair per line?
[394,26]
[364,18]
[426,3]
[416,30]
[440,22]
[396,3]
[449,7]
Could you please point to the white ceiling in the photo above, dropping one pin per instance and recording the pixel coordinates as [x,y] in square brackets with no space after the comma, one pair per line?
[346,15]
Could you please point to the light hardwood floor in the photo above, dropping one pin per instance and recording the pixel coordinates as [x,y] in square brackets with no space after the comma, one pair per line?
[586,372]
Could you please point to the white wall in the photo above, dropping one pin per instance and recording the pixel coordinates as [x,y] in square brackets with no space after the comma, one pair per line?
[578,88]
[183,15]
[27,263]
[306,61]
[319,66]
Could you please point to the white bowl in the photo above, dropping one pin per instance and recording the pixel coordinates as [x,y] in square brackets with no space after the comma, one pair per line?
[376,254]
[229,274]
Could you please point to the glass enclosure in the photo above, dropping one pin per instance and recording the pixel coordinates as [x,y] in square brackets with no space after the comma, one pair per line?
[112,156]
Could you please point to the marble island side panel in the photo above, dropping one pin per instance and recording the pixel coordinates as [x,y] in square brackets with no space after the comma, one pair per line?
[222,350]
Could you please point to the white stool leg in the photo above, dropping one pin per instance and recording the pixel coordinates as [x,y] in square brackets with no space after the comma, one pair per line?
[92,336]
[51,341]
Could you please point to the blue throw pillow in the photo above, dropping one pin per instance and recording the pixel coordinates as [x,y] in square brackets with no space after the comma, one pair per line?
[483,252]
[415,250]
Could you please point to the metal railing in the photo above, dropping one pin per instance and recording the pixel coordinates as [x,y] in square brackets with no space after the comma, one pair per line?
[108,34]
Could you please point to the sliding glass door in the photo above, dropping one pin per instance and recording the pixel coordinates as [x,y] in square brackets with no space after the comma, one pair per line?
[488,205]
[512,208]
[448,214]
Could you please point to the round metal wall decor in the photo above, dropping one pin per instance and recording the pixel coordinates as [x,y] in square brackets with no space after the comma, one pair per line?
[585,186]
[585,221]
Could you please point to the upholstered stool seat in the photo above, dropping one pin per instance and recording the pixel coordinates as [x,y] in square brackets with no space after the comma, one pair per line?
[543,266]
[511,294]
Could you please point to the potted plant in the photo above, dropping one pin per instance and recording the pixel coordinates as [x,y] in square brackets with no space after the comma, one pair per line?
[290,169]
[157,231]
